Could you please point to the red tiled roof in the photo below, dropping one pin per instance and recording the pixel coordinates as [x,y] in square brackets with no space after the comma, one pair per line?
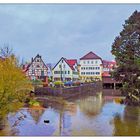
[108,64]
[90,55]
[105,74]
[71,62]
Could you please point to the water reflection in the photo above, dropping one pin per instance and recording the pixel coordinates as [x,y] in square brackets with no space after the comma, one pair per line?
[128,124]
[90,115]
[92,105]
[36,113]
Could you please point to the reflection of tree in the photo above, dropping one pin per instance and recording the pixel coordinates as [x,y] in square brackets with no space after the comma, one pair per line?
[129,124]
[36,113]
[91,105]
[65,117]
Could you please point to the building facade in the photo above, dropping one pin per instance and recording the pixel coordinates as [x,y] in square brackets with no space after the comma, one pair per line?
[108,67]
[65,70]
[90,67]
[36,69]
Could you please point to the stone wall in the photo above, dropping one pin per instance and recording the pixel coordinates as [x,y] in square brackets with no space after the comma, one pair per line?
[69,91]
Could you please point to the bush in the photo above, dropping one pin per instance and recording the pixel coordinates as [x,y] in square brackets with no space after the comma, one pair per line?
[37,82]
[58,84]
[34,103]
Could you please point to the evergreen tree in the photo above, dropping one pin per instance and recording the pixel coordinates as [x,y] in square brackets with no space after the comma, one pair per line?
[126,49]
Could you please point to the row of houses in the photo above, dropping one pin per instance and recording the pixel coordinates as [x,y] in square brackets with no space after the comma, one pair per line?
[87,68]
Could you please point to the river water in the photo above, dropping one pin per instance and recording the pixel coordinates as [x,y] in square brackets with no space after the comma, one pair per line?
[90,115]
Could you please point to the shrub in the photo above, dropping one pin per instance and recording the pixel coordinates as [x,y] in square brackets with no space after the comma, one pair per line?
[37,82]
[34,103]
[58,83]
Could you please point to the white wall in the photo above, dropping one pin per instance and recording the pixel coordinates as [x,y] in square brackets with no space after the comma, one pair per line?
[91,63]
[65,67]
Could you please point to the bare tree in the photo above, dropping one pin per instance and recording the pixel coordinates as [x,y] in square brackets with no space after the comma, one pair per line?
[6,51]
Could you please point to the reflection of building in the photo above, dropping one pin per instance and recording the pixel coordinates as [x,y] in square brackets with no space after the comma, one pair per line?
[36,113]
[71,108]
[90,67]
[91,105]
[36,69]
[65,70]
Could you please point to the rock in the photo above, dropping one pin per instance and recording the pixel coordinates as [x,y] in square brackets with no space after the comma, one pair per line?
[46,121]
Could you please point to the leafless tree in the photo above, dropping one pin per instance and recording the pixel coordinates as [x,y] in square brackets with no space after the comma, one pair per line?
[6,51]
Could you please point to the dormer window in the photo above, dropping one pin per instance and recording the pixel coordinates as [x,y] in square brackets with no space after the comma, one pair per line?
[37,60]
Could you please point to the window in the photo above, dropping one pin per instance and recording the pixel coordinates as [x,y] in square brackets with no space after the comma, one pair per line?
[37,66]
[59,66]
[96,62]
[33,71]
[37,60]
[97,73]
[68,72]
[86,68]
[82,73]
[88,62]
[91,62]
[84,62]
[56,72]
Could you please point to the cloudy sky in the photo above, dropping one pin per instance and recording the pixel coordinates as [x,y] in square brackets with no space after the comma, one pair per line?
[56,30]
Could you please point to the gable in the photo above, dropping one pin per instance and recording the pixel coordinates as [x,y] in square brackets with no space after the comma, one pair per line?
[37,63]
[60,63]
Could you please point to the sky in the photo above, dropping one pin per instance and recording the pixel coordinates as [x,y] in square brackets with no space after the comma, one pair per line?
[62,30]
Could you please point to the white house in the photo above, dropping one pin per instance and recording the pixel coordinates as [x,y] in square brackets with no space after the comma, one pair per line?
[65,70]
[90,67]
[36,69]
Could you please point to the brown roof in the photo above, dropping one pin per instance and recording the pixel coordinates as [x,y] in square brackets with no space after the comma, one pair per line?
[90,55]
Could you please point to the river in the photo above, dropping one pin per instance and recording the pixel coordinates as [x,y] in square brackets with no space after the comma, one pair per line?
[89,115]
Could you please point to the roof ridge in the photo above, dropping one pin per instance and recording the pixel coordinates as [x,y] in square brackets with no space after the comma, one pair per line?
[90,55]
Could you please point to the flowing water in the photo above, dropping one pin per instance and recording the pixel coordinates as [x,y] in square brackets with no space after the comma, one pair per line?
[91,115]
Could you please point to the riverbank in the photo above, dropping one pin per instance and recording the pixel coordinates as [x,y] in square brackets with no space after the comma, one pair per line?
[69,92]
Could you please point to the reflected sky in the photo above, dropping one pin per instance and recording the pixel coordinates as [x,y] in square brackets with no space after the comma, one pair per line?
[86,116]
